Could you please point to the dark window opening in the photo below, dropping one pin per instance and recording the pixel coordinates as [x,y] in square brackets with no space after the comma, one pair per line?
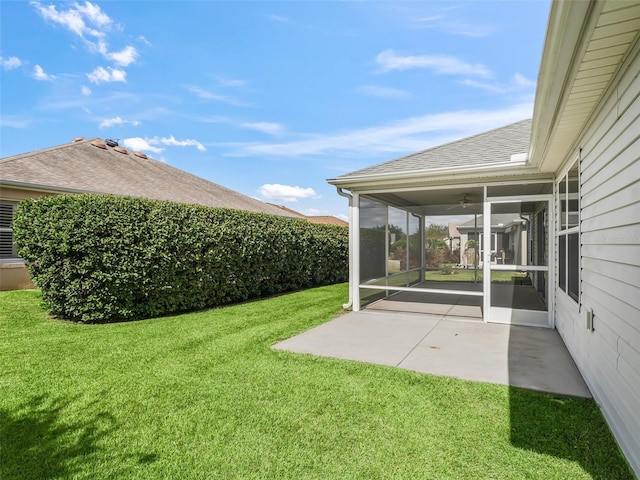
[562,262]
[573,263]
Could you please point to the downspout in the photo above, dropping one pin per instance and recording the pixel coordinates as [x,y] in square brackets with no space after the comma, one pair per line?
[341,192]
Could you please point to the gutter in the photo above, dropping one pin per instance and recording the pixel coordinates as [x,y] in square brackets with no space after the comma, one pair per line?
[518,161]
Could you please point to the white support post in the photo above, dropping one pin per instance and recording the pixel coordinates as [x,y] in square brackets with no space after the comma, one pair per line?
[354,252]
[486,257]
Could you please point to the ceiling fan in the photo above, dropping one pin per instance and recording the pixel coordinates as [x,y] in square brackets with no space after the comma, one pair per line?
[464,202]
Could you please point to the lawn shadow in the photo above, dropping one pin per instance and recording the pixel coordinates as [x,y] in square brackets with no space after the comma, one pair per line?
[562,426]
[40,439]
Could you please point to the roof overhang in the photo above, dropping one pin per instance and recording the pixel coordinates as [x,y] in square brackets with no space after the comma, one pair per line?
[40,188]
[586,46]
[442,176]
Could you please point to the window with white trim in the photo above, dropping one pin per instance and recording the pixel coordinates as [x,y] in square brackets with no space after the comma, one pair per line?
[7,245]
[569,232]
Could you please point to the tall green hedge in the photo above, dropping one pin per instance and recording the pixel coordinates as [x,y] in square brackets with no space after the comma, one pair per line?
[102,257]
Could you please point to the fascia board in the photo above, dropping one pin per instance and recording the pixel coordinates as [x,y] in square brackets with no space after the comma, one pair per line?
[434,176]
[431,172]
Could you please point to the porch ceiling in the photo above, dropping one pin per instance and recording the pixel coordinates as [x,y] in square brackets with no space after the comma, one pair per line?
[446,201]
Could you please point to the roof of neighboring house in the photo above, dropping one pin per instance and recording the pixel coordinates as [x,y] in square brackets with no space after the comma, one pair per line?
[492,147]
[80,166]
[325,219]
[328,220]
[293,213]
[497,220]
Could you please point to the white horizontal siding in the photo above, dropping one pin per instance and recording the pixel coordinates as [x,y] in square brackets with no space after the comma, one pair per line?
[609,357]
[624,235]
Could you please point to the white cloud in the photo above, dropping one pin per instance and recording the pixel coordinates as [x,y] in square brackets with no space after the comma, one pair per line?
[86,91]
[91,24]
[205,94]
[137,143]
[10,63]
[403,136]
[229,82]
[264,127]
[13,122]
[142,39]
[105,75]
[342,216]
[383,92]
[94,14]
[110,122]
[270,128]
[153,144]
[453,26]
[517,83]
[125,57]
[40,74]
[442,64]
[208,95]
[182,143]
[278,18]
[522,81]
[285,193]
[77,18]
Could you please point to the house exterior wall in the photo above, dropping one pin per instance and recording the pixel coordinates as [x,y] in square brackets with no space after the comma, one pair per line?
[14,276]
[609,356]
[13,272]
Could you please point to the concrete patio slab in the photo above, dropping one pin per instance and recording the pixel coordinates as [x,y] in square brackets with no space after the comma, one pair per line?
[527,357]
[366,337]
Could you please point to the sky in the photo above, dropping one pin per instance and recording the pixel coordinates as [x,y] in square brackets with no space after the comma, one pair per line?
[267,98]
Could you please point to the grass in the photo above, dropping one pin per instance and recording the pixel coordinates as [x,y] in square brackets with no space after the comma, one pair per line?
[460,275]
[467,275]
[202,395]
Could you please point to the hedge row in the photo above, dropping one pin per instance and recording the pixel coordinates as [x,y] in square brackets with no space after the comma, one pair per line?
[103,258]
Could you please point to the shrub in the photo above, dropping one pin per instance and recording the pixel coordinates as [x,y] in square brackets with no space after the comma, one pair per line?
[103,257]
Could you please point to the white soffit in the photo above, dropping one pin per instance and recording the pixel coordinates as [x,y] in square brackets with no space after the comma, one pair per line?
[617,25]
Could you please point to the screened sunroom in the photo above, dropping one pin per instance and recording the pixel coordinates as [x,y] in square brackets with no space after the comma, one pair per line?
[471,241]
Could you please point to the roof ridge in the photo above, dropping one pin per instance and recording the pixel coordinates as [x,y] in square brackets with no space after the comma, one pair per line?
[48,149]
[80,167]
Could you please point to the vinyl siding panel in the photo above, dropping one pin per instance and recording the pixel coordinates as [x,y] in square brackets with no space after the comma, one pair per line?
[609,356]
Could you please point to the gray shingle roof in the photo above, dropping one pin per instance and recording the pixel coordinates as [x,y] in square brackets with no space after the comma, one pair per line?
[490,147]
[497,219]
[81,166]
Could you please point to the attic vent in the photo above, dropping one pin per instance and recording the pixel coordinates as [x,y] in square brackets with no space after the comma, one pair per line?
[99,144]
[77,139]
[140,154]
[121,150]
[111,143]
[520,157]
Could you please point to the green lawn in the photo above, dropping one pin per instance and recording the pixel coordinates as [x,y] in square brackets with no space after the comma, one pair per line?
[202,395]
[467,275]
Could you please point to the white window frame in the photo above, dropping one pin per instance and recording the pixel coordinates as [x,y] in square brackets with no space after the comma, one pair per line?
[564,231]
